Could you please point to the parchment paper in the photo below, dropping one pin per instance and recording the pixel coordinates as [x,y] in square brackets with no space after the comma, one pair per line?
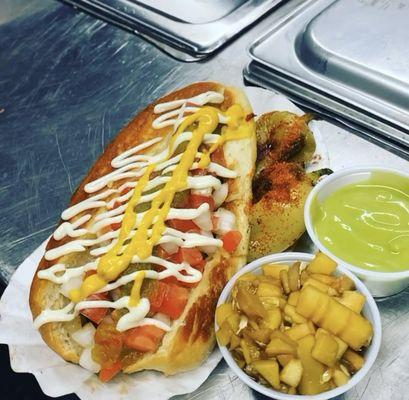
[56,377]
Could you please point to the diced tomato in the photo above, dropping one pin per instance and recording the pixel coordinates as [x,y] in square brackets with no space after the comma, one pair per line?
[162,253]
[198,172]
[157,295]
[218,156]
[183,225]
[175,301]
[192,256]
[126,190]
[144,338]
[108,372]
[117,204]
[215,222]
[96,315]
[89,273]
[200,265]
[168,298]
[116,226]
[196,200]
[153,331]
[173,280]
[143,344]
[231,240]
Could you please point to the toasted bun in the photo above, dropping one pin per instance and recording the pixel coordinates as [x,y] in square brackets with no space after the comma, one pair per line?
[192,335]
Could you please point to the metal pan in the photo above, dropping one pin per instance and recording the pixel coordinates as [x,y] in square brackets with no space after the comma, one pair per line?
[187,30]
[348,57]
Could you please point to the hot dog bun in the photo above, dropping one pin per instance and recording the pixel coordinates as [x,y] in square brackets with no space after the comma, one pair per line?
[192,335]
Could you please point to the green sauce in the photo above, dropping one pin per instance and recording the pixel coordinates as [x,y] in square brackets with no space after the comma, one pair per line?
[367,223]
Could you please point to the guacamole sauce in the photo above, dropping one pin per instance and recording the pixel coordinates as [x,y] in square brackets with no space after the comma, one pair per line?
[367,223]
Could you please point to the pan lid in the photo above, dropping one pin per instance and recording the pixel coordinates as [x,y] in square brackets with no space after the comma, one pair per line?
[351,52]
[198,12]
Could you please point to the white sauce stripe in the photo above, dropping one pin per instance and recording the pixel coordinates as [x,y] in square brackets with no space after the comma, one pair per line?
[70,228]
[60,274]
[199,100]
[91,202]
[166,119]
[155,322]
[61,315]
[70,311]
[79,245]
[117,162]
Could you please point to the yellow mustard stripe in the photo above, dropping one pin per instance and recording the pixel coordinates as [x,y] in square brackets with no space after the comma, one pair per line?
[136,289]
[111,265]
[208,120]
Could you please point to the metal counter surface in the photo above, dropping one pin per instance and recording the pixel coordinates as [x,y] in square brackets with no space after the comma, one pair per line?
[68,83]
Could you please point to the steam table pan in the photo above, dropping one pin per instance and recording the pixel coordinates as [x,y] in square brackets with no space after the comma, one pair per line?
[348,59]
[187,29]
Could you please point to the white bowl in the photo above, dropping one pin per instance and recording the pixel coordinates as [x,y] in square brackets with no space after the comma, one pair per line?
[380,284]
[370,312]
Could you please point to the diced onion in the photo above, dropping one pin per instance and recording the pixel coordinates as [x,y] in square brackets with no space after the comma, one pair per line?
[170,248]
[208,249]
[87,362]
[85,336]
[226,220]
[162,318]
[220,194]
[73,283]
[204,221]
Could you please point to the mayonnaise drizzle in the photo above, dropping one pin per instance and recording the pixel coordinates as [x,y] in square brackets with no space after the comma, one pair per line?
[152,321]
[127,170]
[70,228]
[112,204]
[135,316]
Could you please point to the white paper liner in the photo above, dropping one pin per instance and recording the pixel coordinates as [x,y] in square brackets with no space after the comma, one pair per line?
[56,377]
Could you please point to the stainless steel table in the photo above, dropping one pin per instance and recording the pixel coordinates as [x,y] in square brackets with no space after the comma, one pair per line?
[68,83]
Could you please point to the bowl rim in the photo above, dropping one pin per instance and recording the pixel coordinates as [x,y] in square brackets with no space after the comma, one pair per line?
[371,352]
[376,275]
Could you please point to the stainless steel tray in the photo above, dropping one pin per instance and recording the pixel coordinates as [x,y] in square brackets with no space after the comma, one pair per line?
[345,57]
[189,30]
